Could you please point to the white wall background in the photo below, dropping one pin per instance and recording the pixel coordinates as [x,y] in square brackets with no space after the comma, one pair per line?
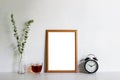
[97,22]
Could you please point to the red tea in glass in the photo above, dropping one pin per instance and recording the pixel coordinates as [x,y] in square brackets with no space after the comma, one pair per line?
[36,68]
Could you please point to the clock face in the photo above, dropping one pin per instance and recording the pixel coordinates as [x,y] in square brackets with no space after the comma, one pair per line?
[91,66]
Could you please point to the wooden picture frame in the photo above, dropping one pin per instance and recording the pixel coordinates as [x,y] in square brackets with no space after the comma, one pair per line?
[61,50]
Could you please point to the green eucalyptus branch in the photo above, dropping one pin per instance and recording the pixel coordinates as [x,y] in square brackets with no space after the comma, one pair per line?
[16,33]
[21,43]
[25,35]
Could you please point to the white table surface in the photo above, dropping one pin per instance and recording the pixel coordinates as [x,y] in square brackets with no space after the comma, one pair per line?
[61,76]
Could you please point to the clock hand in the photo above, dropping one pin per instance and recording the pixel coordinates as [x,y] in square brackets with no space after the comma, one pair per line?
[90,65]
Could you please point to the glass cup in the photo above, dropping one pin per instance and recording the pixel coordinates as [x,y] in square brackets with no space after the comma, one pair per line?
[36,68]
